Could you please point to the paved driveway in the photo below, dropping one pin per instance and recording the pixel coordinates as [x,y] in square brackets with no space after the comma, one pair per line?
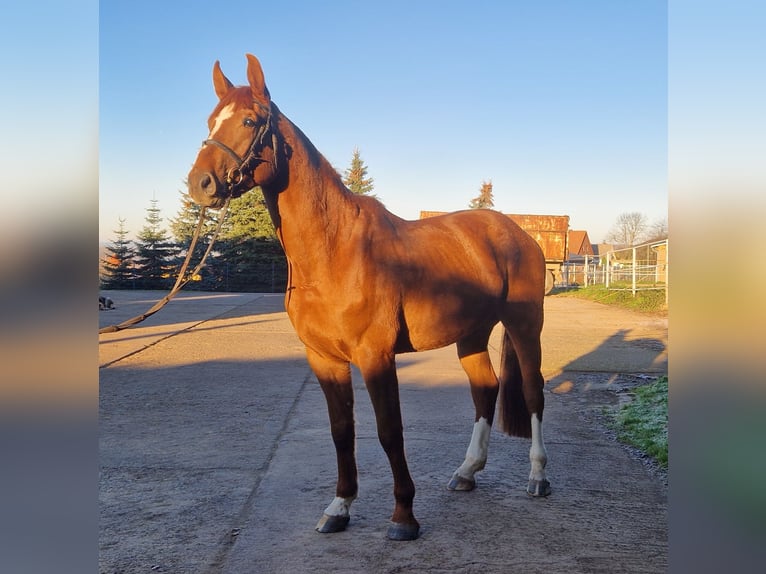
[216,454]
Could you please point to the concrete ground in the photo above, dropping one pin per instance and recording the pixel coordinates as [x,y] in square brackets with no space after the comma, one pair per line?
[216,454]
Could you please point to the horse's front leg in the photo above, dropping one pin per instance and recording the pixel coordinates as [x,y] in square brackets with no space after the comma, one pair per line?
[335,379]
[380,378]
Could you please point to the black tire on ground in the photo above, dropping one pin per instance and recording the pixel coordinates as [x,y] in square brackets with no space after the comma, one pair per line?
[549,280]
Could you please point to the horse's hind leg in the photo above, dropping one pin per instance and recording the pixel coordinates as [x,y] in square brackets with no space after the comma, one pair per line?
[474,359]
[523,356]
[335,379]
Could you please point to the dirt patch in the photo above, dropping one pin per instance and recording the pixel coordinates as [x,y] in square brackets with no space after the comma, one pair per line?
[602,402]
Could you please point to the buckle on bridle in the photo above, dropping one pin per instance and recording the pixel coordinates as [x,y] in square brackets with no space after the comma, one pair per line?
[234,177]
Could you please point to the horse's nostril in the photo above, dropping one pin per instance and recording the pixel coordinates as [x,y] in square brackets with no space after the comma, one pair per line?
[206,184]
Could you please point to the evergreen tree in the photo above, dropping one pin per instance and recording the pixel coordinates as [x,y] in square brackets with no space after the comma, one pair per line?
[484,199]
[246,255]
[251,257]
[183,227]
[355,177]
[252,264]
[155,253]
[248,217]
[117,266]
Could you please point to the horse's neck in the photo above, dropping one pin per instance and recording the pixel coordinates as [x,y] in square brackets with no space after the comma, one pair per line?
[311,206]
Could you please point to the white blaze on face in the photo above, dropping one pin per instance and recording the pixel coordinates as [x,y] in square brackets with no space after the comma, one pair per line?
[222,116]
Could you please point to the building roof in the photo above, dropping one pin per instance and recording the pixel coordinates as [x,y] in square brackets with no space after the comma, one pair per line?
[579,243]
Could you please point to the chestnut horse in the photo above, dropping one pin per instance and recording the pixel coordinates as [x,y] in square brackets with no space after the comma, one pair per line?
[365,285]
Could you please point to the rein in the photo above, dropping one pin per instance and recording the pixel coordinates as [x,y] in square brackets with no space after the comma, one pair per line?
[181,280]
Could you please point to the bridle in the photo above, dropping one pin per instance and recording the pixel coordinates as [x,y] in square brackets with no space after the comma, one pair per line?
[236,175]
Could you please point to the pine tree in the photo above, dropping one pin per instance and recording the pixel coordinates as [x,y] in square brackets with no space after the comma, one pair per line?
[254,265]
[249,218]
[118,264]
[355,177]
[156,255]
[246,255]
[251,257]
[484,199]
[183,227]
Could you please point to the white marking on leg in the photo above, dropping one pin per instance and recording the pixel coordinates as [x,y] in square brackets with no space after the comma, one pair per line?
[222,116]
[339,506]
[537,454]
[476,455]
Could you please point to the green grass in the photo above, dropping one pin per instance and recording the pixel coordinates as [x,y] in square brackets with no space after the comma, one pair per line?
[644,301]
[643,423]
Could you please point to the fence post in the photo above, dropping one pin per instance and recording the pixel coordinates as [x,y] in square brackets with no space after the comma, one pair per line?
[667,270]
[633,274]
[608,268]
[585,271]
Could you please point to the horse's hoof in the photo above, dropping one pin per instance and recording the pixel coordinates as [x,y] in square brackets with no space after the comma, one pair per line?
[463,484]
[403,531]
[538,488]
[328,524]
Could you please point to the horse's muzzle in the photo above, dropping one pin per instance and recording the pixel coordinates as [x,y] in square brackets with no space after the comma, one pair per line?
[205,189]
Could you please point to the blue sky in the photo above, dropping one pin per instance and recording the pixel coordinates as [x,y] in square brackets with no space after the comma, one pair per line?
[561,104]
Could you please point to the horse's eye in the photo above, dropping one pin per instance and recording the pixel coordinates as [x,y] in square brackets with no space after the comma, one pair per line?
[248,122]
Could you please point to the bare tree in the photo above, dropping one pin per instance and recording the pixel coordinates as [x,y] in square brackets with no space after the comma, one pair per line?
[658,230]
[628,228]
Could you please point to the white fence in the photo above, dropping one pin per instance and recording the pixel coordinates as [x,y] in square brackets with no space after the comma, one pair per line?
[632,269]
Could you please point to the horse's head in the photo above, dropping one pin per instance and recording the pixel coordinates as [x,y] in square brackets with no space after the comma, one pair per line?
[240,151]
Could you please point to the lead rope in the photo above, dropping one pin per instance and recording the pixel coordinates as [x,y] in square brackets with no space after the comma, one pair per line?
[181,280]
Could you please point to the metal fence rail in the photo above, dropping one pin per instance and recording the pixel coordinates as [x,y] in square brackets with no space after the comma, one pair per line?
[634,269]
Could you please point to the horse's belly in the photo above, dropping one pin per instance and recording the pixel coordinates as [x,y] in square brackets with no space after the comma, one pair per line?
[432,326]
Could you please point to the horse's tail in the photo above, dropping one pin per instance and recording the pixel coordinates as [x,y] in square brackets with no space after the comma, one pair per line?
[514,417]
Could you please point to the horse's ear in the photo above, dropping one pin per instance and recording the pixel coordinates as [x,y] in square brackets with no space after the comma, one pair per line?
[220,82]
[257,83]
